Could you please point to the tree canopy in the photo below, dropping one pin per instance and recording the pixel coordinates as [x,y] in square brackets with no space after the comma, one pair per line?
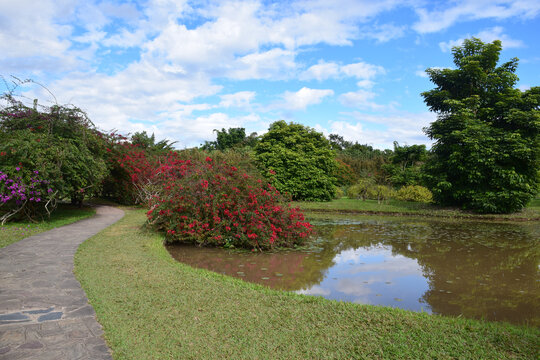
[59,143]
[299,160]
[230,139]
[486,151]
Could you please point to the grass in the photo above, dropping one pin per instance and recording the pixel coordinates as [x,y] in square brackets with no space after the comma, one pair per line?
[396,207]
[12,232]
[152,307]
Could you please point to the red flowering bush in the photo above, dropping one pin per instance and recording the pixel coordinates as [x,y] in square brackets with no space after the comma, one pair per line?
[135,171]
[213,203]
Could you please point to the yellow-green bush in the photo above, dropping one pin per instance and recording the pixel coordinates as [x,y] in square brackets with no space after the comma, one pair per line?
[367,189]
[381,193]
[360,189]
[414,193]
[339,193]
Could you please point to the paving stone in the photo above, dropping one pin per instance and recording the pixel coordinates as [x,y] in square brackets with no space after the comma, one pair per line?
[50,328]
[44,313]
[51,316]
[84,311]
[13,316]
[75,351]
[31,345]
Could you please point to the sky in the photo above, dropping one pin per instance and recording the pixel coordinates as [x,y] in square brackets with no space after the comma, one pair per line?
[181,69]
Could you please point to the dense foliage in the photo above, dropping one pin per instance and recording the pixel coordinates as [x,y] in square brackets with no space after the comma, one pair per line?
[24,195]
[214,203]
[363,160]
[56,146]
[299,160]
[405,166]
[414,193]
[487,148]
[233,138]
[134,167]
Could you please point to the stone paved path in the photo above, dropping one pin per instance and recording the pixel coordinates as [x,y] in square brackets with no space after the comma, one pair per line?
[44,312]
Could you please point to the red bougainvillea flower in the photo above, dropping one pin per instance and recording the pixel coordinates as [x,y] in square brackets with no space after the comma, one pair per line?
[214,204]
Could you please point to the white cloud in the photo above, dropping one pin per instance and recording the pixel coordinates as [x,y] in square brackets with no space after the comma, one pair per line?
[325,70]
[156,16]
[275,64]
[421,73]
[315,290]
[141,92]
[360,98]
[304,97]
[362,70]
[356,288]
[321,71]
[193,131]
[241,99]
[382,130]
[496,33]
[28,30]
[383,33]
[467,10]
[365,84]
[488,35]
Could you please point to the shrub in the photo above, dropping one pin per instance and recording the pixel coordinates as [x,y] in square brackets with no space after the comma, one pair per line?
[414,193]
[360,189]
[59,142]
[25,195]
[381,193]
[213,203]
[300,160]
[135,168]
[344,174]
[339,193]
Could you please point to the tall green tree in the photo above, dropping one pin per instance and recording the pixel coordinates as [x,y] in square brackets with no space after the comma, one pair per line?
[148,143]
[405,167]
[58,142]
[230,139]
[487,147]
[299,159]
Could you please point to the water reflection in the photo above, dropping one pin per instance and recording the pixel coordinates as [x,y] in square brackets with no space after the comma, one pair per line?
[476,269]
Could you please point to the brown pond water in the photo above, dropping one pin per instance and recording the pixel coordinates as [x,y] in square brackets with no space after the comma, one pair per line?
[473,269]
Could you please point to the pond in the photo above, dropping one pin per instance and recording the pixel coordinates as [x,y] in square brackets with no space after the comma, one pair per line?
[464,268]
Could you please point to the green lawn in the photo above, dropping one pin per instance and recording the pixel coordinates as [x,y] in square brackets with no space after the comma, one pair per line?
[396,207]
[153,307]
[65,214]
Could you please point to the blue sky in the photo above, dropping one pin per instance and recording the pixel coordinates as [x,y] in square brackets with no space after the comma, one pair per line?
[183,68]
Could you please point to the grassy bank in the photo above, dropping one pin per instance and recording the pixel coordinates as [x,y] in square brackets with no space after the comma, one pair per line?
[152,307]
[396,207]
[65,214]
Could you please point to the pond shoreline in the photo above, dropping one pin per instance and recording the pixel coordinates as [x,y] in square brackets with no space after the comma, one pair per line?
[426,215]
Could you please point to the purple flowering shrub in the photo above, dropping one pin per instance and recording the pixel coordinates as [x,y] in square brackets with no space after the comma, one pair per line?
[25,195]
[59,141]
